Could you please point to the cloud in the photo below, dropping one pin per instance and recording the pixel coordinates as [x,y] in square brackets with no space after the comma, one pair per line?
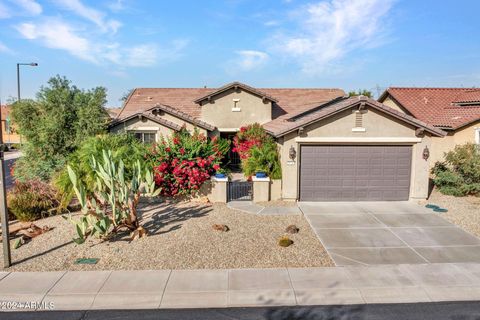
[5,49]
[117,5]
[58,34]
[30,6]
[329,30]
[251,59]
[91,14]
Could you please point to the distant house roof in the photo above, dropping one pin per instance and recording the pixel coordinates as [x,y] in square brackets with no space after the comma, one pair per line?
[113,111]
[284,125]
[449,108]
[287,100]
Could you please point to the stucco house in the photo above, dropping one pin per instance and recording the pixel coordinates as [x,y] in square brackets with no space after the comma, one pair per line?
[332,147]
[454,110]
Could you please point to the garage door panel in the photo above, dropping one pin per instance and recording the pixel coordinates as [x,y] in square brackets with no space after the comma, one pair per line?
[355,173]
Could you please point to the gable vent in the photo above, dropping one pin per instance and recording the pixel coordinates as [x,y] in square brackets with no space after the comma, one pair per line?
[358,119]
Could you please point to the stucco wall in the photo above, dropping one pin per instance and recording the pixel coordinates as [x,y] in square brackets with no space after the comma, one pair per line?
[377,125]
[390,103]
[219,112]
[144,124]
[460,136]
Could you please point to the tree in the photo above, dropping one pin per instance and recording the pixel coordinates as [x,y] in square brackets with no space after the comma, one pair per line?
[54,125]
[363,92]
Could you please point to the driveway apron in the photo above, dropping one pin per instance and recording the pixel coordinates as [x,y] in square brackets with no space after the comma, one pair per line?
[375,233]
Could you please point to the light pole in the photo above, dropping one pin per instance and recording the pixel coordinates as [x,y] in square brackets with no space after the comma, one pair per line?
[31,64]
[7,257]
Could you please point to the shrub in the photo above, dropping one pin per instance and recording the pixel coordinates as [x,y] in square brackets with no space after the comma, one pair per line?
[124,147]
[32,200]
[184,161]
[258,151]
[285,241]
[459,173]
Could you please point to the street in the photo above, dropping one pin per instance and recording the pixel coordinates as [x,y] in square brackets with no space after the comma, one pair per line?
[10,158]
[424,311]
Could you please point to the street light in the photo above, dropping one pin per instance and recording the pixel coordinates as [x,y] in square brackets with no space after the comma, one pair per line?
[31,64]
[7,257]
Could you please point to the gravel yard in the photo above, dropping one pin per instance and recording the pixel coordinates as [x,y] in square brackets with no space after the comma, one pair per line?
[462,211]
[181,237]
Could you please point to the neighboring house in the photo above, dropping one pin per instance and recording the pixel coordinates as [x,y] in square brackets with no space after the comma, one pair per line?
[113,112]
[332,147]
[9,132]
[454,110]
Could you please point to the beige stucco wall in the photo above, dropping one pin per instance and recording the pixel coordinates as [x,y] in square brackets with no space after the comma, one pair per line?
[460,136]
[390,103]
[377,125]
[219,112]
[144,124]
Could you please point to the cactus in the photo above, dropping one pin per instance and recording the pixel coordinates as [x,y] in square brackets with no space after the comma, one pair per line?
[112,206]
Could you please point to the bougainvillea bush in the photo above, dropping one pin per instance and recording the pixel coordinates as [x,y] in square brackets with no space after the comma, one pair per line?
[258,151]
[248,137]
[184,161]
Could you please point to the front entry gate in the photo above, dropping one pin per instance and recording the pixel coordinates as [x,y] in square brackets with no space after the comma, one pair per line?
[240,191]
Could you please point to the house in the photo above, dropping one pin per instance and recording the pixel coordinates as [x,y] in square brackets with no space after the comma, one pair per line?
[454,110]
[332,147]
[9,132]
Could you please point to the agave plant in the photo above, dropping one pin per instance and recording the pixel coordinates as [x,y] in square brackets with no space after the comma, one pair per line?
[112,206]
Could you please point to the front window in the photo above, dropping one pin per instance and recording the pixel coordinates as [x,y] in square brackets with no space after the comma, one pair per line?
[146,136]
[477,136]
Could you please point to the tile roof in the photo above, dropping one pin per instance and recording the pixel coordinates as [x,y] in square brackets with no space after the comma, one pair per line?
[160,120]
[235,85]
[289,100]
[442,107]
[182,115]
[284,125]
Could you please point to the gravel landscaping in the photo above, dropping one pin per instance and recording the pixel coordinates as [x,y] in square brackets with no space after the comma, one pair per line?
[462,211]
[180,237]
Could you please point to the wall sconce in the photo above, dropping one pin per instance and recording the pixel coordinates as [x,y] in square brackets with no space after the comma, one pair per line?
[292,154]
[426,153]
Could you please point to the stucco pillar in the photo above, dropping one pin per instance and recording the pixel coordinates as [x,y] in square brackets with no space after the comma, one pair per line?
[420,178]
[261,189]
[218,192]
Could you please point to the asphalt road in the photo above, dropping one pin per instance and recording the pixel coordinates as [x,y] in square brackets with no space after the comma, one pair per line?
[424,311]
[10,158]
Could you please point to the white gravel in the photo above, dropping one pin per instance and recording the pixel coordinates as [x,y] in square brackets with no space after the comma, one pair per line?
[181,237]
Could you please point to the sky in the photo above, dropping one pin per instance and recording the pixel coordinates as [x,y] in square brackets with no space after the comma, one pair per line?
[348,44]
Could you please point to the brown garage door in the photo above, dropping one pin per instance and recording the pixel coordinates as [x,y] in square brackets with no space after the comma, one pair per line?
[355,173]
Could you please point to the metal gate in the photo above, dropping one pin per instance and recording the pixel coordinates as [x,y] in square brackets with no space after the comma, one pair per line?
[240,191]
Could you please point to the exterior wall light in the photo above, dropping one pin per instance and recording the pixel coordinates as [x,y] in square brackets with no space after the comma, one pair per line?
[426,153]
[292,154]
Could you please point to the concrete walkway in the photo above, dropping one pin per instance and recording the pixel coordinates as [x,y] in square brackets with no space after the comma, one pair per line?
[372,233]
[85,290]
[251,207]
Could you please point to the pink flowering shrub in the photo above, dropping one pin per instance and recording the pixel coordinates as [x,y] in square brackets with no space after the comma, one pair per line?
[247,138]
[184,161]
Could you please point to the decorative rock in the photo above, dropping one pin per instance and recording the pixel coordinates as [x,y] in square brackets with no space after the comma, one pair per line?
[292,229]
[220,227]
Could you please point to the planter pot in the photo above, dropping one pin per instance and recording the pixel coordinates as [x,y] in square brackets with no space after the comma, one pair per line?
[220,175]
[260,175]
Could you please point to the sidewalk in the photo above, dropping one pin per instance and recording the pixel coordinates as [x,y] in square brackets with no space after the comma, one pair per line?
[85,290]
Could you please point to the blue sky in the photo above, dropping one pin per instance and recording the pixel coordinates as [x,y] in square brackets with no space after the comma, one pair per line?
[351,44]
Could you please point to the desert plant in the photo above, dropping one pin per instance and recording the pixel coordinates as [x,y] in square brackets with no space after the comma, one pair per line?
[122,146]
[112,206]
[285,241]
[263,158]
[459,173]
[32,200]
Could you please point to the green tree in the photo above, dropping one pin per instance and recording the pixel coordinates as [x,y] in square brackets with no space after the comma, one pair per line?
[363,92]
[55,124]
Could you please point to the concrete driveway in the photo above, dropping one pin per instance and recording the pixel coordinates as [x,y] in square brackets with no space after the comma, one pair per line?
[372,233]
